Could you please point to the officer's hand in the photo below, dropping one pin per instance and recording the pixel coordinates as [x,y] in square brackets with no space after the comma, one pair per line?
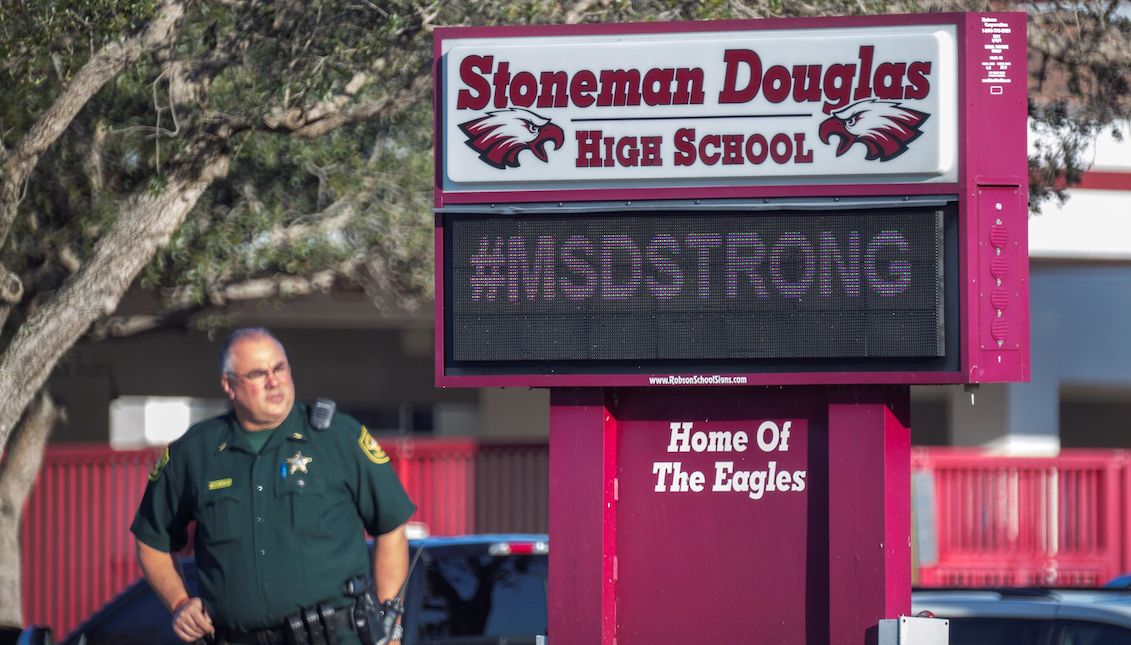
[191,621]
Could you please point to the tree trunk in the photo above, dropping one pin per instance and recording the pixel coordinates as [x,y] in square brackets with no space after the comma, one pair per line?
[18,471]
[104,65]
[145,225]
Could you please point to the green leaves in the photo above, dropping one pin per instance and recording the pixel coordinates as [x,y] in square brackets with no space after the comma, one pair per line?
[353,197]
[42,38]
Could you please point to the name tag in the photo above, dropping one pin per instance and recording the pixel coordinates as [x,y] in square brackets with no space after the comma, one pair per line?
[220,483]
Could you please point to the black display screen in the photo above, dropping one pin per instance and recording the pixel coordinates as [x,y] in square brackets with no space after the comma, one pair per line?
[563,293]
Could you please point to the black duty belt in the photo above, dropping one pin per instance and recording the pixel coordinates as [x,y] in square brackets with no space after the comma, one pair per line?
[336,622]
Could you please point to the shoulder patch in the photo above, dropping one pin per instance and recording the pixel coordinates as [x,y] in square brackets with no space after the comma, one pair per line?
[371,448]
[159,467]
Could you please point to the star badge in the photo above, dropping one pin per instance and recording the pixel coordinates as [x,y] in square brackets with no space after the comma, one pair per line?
[297,463]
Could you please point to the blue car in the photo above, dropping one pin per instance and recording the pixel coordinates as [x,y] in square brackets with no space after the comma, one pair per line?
[471,590]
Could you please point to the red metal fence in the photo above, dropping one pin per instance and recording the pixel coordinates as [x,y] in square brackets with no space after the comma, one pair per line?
[77,548]
[981,520]
[78,551]
[437,476]
[1010,521]
[512,488]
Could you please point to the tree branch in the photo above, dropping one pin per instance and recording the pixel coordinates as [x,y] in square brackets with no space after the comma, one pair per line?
[332,218]
[102,66]
[92,162]
[579,10]
[311,125]
[145,224]
[278,286]
[181,308]
[11,292]
[11,287]
[124,326]
[293,118]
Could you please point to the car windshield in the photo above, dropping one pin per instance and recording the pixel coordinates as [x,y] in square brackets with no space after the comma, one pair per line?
[995,631]
[483,598]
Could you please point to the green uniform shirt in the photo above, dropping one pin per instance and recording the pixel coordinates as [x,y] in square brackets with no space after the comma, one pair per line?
[278,530]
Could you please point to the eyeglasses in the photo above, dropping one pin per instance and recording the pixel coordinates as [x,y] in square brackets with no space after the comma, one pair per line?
[259,377]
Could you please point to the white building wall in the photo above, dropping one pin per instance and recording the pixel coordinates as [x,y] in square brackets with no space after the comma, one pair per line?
[1080,290]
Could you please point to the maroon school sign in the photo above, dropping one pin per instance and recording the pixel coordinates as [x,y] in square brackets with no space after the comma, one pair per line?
[729,248]
[799,201]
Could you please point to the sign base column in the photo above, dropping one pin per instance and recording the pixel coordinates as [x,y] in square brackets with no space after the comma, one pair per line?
[721,515]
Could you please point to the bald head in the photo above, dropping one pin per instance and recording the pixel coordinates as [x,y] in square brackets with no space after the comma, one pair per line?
[257,378]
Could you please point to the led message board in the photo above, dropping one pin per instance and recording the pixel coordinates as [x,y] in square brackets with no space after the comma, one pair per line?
[838,200]
[642,291]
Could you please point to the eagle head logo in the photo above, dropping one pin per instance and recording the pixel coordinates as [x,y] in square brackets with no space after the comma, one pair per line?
[500,136]
[884,127]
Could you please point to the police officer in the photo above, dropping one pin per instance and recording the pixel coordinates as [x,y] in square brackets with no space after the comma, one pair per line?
[280,509]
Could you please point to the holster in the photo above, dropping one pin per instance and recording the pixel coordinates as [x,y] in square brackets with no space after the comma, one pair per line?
[373,622]
[390,611]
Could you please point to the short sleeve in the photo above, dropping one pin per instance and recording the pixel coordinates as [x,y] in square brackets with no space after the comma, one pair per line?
[162,517]
[382,501]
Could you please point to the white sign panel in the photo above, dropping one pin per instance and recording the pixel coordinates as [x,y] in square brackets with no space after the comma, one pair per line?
[730,108]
